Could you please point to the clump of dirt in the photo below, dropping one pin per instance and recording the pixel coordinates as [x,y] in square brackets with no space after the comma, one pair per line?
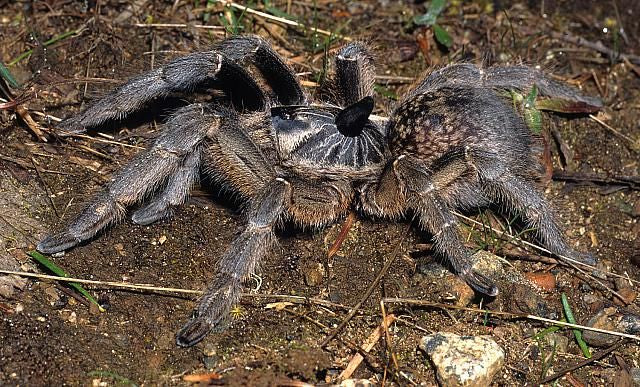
[50,336]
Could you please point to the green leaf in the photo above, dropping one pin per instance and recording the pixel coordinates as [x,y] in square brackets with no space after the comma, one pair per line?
[428,19]
[576,332]
[442,36]
[6,74]
[41,259]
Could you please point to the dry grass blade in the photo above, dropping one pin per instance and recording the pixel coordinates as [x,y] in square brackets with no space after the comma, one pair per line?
[366,347]
[410,301]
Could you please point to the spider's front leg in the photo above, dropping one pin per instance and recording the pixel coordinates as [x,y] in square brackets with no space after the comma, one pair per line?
[225,65]
[238,262]
[174,156]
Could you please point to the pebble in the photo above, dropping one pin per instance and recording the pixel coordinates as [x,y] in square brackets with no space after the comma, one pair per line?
[356,383]
[543,280]
[558,341]
[314,274]
[601,321]
[463,360]
[628,296]
[635,376]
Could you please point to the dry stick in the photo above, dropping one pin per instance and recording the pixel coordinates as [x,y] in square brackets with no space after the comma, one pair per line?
[631,182]
[598,46]
[635,144]
[513,238]
[282,20]
[372,287]
[583,363]
[46,188]
[342,235]
[366,347]
[311,300]
[124,285]
[410,301]
[388,338]
[179,25]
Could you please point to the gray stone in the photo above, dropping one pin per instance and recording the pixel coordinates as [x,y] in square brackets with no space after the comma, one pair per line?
[600,320]
[635,376]
[463,360]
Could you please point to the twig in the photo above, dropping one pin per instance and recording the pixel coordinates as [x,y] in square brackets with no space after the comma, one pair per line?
[635,144]
[342,235]
[598,46]
[46,188]
[125,285]
[632,182]
[366,347]
[370,290]
[217,29]
[540,248]
[410,301]
[583,363]
[282,20]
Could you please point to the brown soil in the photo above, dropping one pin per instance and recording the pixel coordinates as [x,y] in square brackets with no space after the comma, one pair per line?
[49,337]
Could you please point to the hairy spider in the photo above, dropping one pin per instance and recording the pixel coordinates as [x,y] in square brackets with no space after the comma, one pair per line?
[453,142]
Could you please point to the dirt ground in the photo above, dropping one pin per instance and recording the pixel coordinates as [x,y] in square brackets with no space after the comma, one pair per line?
[50,336]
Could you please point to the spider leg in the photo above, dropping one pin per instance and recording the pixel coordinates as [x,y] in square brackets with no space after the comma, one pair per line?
[180,75]
[184,134]
[355,73]
[238,262]
[524,77]
[424,189]
[258,52]
[539,215]
[175,192]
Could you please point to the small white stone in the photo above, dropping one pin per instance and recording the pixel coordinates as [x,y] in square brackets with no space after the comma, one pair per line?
[463,360]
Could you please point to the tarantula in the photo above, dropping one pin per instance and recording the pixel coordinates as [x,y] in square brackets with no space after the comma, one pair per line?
[453,142]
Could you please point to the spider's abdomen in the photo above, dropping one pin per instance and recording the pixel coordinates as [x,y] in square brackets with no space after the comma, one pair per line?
[434,124]
[309,136]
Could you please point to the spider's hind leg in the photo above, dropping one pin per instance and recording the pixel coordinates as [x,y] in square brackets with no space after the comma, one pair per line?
[173,150]
[505,186]
[426,195]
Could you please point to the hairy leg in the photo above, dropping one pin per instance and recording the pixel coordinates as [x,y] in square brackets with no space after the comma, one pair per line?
[539,215]
[174,193]
[256,51]
[182,137]
[355,73]
[408,183]
[238,262]
[180,75]
[524,77]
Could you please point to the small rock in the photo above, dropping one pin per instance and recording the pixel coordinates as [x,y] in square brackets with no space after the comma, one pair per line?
[601,321]
[314,274]
[628,295]
[210,362]
[463,360]
[635,376]
[630,323]
[542,280]
[356,383]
